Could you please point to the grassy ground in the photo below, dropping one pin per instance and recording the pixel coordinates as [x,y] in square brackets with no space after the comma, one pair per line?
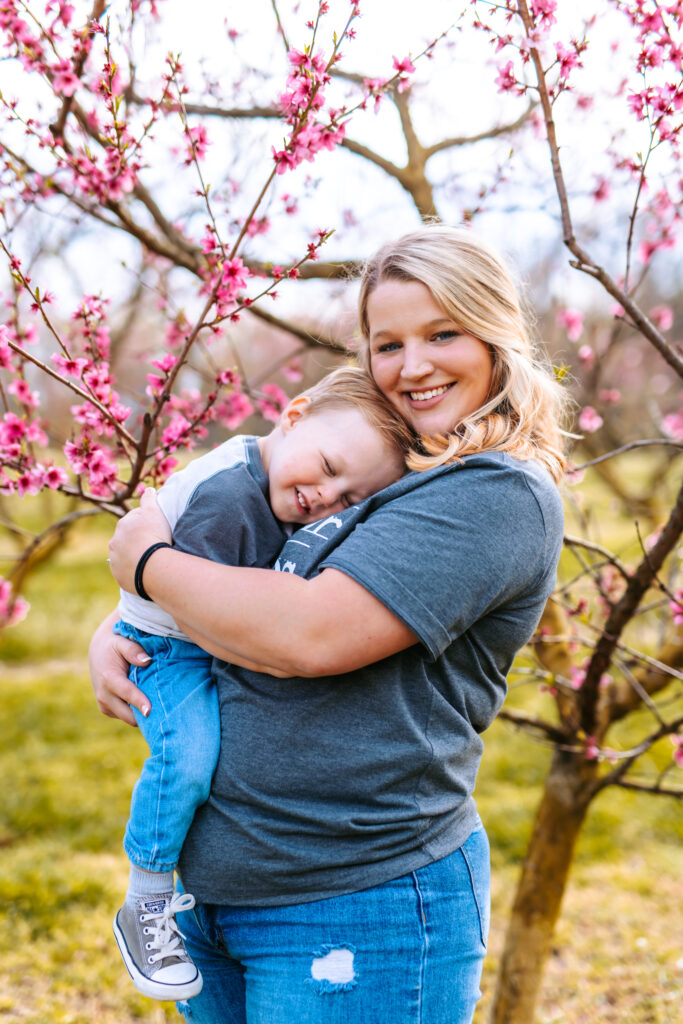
[67,775]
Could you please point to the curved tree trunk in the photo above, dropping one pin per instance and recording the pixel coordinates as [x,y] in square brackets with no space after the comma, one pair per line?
[569,789]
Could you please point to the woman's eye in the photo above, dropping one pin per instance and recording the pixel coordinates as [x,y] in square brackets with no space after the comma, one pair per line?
[388,346]
[329,469]
[445,336]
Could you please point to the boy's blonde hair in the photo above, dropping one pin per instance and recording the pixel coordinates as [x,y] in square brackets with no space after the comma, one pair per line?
[522,412]
[352,386]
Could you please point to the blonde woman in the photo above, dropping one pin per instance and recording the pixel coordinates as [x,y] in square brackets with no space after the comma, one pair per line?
[340,864]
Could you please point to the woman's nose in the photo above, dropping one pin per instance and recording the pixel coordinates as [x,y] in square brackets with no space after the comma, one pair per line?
[416,362]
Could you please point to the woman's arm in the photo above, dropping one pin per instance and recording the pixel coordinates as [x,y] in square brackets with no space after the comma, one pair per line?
[317,627]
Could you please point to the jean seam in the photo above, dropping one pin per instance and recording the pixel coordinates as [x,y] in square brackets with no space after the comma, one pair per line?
[470,872]
[424,947]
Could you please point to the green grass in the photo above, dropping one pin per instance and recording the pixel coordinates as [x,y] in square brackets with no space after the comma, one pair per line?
[67,774]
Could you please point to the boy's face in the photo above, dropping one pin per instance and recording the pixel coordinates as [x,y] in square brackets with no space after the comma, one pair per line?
[323,462]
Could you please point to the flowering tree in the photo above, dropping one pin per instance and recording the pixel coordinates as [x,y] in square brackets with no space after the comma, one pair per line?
[88,147]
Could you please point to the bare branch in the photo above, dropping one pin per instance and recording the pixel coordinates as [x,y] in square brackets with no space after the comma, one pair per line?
[309,338]
[618,773]
[654,790]
[627,448]
[524,721]
[457,141]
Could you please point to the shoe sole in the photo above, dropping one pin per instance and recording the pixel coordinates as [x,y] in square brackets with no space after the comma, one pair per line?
[154,989]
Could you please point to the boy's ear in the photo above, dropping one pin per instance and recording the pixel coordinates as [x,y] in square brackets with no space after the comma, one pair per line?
[293,412]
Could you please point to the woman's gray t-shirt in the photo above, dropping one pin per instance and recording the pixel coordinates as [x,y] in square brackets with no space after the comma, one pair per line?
[331,785]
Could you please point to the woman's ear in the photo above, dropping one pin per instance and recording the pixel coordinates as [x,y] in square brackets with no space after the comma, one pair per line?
[293,412]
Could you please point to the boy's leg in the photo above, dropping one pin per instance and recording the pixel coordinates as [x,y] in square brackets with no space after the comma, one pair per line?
[182,731]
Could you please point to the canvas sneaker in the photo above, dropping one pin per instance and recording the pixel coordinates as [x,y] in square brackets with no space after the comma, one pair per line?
[152,946]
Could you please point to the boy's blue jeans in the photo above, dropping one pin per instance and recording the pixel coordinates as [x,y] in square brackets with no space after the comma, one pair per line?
[183,734]
[409,951]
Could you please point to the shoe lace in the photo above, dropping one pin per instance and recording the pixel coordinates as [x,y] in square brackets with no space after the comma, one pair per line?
[165,937]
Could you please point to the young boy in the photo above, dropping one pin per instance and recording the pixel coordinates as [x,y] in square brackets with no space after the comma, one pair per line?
[334,445]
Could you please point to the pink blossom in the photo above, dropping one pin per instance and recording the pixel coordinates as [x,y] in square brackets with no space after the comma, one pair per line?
[676,607]
[587,356]
[233,410]
[602,190]
[166,363]
[662,316]
[567,59]
[12,429]
[12,608]
[590,420]
[55,476]
[572,321]
[672,425]
[71,367]
[198,143]
[404,66]
[609,395]
[506,80]
[293,370]
[677,742]
[272,401]
[22,392]
[545,11]
[64,81]
[577,677]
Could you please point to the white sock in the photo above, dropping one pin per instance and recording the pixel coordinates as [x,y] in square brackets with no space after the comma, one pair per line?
[148,883]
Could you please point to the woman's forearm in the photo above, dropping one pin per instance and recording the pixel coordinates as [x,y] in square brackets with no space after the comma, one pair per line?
[317,627]
[324,626]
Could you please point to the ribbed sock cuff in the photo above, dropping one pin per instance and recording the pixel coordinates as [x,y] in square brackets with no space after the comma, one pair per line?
[148,883]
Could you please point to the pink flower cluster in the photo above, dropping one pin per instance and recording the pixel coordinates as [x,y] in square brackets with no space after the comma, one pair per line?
[12,608]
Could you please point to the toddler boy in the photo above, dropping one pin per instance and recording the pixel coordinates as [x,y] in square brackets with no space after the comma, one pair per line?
[334,445]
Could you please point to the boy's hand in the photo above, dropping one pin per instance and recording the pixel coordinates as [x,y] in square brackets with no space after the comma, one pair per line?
[134,533]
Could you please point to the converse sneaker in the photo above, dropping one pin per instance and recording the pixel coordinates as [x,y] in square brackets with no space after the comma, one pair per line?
[152,947]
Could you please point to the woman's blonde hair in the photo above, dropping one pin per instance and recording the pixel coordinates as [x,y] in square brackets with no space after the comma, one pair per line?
[472,285]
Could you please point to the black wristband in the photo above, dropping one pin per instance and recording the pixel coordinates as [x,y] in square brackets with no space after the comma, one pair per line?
[140,567]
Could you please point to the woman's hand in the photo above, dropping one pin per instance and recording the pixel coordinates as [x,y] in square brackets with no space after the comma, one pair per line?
[109,657]
[134,533]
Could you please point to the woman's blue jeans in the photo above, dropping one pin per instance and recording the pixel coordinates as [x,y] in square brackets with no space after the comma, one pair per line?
[406,952]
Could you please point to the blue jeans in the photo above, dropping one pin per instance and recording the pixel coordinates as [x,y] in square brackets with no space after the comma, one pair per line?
[183,734]
[409,951]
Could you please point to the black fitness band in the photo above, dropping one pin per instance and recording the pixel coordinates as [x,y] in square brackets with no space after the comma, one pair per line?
[140,567]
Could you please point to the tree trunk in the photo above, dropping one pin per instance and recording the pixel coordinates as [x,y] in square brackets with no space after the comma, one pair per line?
[569,789]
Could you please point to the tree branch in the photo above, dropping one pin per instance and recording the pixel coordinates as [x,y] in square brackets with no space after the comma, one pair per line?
[524,721]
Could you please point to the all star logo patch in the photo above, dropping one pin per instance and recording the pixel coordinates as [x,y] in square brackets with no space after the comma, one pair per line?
[154,906]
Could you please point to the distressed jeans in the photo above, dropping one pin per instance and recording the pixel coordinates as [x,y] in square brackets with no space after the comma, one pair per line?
[183,734]
[409,951]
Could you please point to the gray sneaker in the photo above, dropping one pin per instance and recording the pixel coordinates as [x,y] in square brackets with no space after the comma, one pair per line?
[152,947]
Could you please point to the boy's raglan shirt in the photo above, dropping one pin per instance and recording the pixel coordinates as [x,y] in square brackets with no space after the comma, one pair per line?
[368,775]
[217,508]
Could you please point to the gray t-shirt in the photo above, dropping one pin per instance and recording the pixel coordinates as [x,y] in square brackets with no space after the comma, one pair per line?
[217,508]
[332,785]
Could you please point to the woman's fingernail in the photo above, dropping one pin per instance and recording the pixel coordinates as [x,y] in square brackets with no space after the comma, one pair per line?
[144,659]
[146,709]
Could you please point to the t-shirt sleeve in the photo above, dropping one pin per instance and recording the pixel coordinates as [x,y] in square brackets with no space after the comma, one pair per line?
[228,520]
[442,556]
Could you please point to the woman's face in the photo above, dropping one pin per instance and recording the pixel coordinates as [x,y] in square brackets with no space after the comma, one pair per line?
[428,369]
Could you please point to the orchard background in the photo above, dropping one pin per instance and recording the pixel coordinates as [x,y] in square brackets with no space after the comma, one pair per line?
[184,200]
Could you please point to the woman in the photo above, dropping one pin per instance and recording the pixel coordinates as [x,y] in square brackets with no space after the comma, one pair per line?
[340,864]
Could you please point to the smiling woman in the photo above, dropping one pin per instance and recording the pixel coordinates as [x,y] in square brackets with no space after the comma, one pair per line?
[431,371]
[353,685]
